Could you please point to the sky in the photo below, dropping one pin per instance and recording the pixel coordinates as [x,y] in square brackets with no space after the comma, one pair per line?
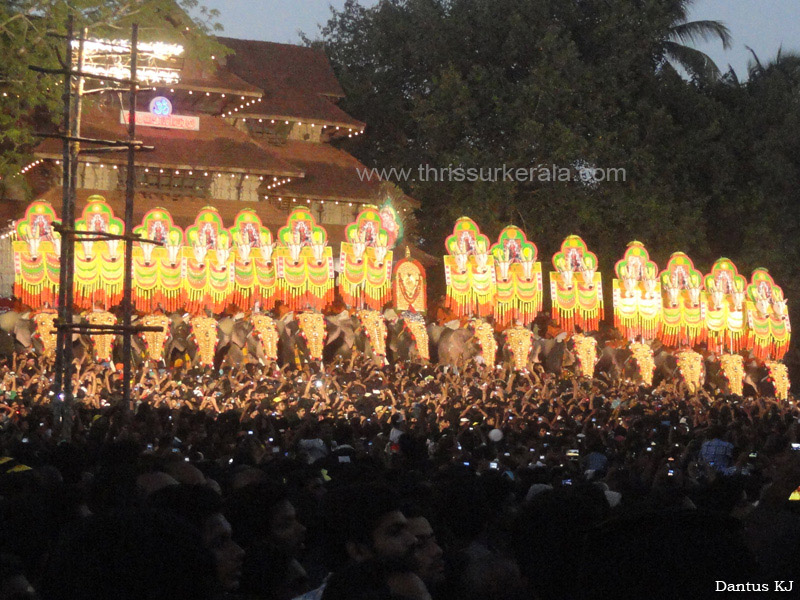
[763,25]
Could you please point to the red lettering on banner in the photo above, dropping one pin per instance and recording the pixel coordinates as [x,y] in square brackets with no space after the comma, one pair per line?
[146,119]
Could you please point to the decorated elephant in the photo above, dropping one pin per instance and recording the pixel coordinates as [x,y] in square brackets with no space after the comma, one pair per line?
[232,334]
[552,354]
[407,338]
[451,343]
[361,331]
[18,331]
[180,343]
[344,334]
[754,376]
[292,345]
[240,340]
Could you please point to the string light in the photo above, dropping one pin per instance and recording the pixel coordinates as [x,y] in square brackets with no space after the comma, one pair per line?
[30,166]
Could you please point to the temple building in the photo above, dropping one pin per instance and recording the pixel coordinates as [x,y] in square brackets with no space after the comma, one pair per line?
[258,130]
[255,129]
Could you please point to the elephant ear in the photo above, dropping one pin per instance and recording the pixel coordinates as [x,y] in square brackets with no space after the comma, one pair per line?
[9,320]
[180,343]
[434,333]
[240,333]
[225,326]
[334,320]
[23,332]
[555,357]
[334,331]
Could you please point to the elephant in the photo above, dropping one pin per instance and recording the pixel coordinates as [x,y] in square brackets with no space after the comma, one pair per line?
[450,343]
[21,328]
[344,334]
[754,377]
[400,344]
[291,344]
[347,333]
[239,341]
[551,353]
[179,342]
[617,364]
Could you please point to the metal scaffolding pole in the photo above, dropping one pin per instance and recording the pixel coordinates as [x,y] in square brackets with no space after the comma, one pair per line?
[65,327]
[127,301]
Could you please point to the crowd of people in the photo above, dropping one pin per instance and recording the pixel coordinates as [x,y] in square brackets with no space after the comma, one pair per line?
[362,481]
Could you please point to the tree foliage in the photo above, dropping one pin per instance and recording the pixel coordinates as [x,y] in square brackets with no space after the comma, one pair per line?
[711,163]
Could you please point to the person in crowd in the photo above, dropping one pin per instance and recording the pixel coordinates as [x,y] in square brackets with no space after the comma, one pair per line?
[201,507]
[395,480]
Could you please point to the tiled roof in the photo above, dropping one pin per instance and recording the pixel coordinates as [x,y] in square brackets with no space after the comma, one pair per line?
[213,78]
[216,146]
[298,82]
[330,173]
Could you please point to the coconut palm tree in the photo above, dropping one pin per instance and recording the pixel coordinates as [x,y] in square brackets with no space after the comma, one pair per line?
[682,33]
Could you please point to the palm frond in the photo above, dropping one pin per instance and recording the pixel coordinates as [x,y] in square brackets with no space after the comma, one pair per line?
[754,67]
[707,31]
[698,64]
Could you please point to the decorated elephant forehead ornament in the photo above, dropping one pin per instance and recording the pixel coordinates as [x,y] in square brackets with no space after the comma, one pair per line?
[484,335]
[732,367]
[205,333]
[45,327]
[643,355]
[267,333]
[103,342]
[414,323]
[520,342]
[312,326]
[779,376]
[375,328]
[155,340]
